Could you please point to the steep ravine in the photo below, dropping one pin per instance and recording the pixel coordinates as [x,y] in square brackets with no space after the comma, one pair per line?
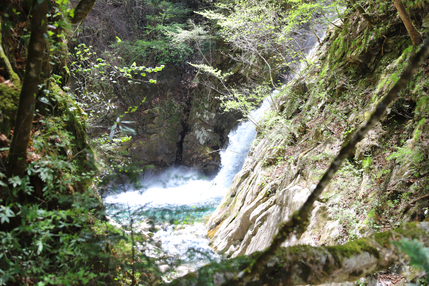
[383,184]
[181,121]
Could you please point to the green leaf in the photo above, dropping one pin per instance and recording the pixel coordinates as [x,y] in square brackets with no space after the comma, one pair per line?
[4,218]
[15,181]
[6,213]
[39,244]
[112,132]
[44,100]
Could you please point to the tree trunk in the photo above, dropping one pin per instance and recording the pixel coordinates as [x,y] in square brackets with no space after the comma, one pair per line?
[17,157]
[302,265]
[82,9]
[416,37]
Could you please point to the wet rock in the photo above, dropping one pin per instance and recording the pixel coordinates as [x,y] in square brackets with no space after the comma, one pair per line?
[208,133]
[162,129]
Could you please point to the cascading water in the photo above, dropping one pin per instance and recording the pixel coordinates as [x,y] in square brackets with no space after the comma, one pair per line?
[180,195]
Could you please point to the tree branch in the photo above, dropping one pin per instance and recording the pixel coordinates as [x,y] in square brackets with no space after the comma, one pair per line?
[81,11]
[302,265]
[415,36]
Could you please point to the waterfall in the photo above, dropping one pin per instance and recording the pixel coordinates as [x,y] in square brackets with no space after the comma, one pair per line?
[180,195]
[232,159]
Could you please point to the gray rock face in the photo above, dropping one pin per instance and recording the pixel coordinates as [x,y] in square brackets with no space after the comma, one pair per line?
[201,144]
[208,132]
[161,131]
[248,217]
[373,189]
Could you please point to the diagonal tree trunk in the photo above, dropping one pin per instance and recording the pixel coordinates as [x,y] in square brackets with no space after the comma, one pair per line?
[81,11]
[303,265]
[299,220]
[416,37]
[17,157]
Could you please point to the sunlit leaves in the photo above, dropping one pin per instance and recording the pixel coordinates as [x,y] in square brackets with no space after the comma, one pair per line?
[15,181]
[119,125]
[6,213]
[98,80]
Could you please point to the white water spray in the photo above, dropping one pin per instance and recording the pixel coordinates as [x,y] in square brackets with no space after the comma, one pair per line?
[179,193]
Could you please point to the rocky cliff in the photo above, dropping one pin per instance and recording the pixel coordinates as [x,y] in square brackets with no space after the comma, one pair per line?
[381,185]
[181,120]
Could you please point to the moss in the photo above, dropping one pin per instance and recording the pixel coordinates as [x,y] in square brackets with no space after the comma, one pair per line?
[295,250]
[75,124]
[59,97]
[9,98]
[6,66]
[352,248]
[422,108]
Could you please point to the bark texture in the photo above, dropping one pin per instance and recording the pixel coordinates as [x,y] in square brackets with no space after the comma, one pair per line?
[17,158]
[81,11]
[302,265]
[416,37]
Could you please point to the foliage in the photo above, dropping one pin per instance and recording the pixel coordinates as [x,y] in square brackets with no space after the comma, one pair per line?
[53,229]
[157,22]
[196,36]
[265,30]
[161,51]
[58,235]
[52,242]
[404,153]
[418,254]
[264,41]
[97,84]
[68,247]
